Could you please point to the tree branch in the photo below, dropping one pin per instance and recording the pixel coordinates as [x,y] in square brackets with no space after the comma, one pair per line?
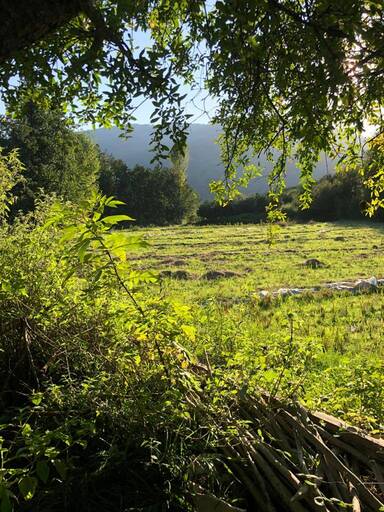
[26,22]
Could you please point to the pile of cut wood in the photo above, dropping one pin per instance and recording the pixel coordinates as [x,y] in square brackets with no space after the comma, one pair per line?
[288,459]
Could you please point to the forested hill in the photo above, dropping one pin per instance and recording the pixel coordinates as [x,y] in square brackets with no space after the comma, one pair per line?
[204,156]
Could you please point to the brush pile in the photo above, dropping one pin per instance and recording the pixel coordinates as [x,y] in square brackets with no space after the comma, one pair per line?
[287,459]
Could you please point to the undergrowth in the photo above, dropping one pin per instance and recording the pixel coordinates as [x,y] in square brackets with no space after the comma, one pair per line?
[95,376]
[114,399]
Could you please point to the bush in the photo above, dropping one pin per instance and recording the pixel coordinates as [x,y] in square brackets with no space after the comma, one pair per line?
[91,382]
[341,196]
[336,197]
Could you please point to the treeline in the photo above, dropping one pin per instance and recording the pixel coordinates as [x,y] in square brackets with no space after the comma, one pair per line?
[240,210]
[159,196]
[342,196]
[346,195]
[58,160]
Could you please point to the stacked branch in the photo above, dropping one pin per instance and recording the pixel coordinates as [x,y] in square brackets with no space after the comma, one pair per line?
[288,459]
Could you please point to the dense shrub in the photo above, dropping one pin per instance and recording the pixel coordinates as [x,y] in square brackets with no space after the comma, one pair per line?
[90,369]
[342,196]
[374,175]
[336,197]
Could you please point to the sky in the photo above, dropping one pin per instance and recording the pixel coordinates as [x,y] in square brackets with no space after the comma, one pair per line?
[199,104]
[144,113]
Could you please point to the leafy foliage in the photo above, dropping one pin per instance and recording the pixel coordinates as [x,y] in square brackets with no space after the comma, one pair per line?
[373,174]
[336,197]
[299,77]
[243,210]
[76,334]
[341,196]
[10,175]
[351,193]
[55,158]
[158,196]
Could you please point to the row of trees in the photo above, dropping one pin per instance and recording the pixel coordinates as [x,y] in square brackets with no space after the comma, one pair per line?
[350,194]
[158,196]
[59,160]
[335,197]
[340,196]
[240,210]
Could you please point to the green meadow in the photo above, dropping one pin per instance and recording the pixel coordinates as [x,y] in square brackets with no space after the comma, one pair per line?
[326,346]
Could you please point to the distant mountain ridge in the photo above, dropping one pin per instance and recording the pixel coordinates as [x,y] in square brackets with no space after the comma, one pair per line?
[204,156]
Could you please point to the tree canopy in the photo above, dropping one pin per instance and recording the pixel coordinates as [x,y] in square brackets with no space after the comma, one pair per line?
[158,196]
[298,76]
[55,158]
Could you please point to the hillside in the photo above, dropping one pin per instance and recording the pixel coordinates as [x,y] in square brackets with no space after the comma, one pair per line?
[204,161]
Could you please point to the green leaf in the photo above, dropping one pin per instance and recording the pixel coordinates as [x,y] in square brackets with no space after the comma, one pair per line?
[82,249]
[61,468]
[97,275]
[37,398]
[69,233]
[69,274]
[189,331]
[120,253]
[136,242]
[27,487]
[115,219]
[42,470]
[112,203]
[27,430]
[5,502]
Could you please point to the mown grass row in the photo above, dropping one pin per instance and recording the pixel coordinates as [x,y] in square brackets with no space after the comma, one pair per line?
[262,260]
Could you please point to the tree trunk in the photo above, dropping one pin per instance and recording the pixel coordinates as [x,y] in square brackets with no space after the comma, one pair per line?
[25,22]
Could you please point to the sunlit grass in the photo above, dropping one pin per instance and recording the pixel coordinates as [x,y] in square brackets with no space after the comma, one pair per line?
[348,251]
[343,331]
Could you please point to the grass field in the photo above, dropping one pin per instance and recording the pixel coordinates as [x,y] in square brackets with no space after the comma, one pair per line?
[327,347]
[348,251]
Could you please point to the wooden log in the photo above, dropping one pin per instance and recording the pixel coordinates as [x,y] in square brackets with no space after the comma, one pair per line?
[335,440]
[370,446]
[379,475]
[280,489]
[370,499]
[234,456]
